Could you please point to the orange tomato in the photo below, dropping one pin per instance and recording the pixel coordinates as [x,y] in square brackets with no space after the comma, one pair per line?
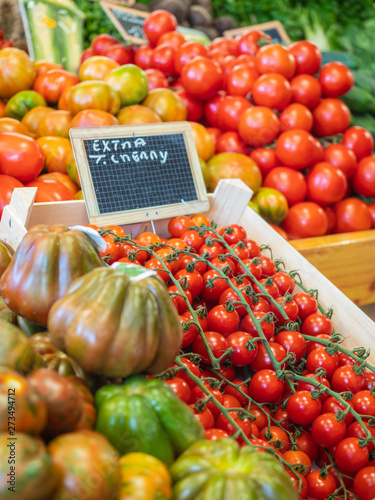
[41,66]
[93,94]
[17,72]
[167,104]
[13,125]
[203,141]
[56,123]
[53,82]
[64,99]
[63,178]
[33,117]
[147,238]
[200,219]
[175,263]
[96,68]
[93,118]
[50,190]
[2,108]
[58,153]
[137,114]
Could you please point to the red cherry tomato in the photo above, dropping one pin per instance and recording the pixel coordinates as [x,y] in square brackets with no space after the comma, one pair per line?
[181,388]
[350,456]
[265,387]
[217,343]
[302,408]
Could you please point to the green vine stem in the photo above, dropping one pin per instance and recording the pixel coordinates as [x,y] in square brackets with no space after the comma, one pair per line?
[283,373]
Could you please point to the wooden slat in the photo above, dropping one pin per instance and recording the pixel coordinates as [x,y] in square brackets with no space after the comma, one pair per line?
[347,318]
[348,260]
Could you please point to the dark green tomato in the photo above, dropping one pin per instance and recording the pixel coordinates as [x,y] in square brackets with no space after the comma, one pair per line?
[221,470]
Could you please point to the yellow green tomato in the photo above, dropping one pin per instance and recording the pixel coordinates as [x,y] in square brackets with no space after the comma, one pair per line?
[254,207]
[272,204]
[22,102]
[233,166]
[130,82]
[93,94]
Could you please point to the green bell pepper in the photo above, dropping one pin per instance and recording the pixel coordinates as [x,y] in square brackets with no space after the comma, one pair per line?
[145,415]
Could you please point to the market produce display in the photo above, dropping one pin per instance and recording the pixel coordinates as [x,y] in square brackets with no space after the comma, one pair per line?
[262,375]
[276,117]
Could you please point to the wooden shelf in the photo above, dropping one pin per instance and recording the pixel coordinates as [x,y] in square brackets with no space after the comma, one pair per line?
[348,260]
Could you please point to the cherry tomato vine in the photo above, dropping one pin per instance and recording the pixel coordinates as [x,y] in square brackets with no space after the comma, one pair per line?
[286,370]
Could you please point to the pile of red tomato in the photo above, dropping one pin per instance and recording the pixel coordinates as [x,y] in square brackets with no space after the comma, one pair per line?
[259,111]
[287,388]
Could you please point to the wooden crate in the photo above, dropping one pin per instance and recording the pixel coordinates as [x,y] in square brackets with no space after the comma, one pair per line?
[347,260]
[228,205]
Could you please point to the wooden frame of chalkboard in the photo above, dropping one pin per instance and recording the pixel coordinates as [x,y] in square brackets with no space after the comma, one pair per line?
[110,7]
[139,172]
[268,28]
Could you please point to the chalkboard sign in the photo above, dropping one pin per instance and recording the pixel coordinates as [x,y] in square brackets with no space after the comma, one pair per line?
[139,172]
[129,23]
[274,29]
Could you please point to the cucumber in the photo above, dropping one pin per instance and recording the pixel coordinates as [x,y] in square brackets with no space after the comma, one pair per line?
[365,82]
[349,60]
[359,100]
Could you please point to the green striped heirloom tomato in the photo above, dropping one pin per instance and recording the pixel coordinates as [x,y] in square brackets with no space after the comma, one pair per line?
[35,476]
[272,205]
[145,415]
[17,72]
[221,470]
[46,262]
[130,82]
[15,350]
[117,325]
[22,102]
[93,94]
